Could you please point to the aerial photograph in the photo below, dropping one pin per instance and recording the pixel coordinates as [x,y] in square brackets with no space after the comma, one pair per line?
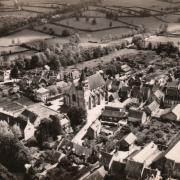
[89,89]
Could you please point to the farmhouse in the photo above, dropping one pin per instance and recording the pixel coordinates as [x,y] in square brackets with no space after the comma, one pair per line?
[87,93]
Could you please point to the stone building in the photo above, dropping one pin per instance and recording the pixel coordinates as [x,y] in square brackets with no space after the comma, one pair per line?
[87,92]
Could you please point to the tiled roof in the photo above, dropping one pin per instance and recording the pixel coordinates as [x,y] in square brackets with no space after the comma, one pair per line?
[153,106]
[130,138]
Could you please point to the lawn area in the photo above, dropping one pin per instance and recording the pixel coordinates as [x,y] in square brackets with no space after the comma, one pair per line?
[23,36]
[101,23]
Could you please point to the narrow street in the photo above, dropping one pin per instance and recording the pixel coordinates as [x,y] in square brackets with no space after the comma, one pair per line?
[92,115]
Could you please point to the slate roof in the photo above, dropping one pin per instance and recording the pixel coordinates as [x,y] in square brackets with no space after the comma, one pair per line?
[106,158]
[147,173]
[114,114]
[99,174]
[95,81]
[29,115]
[76,148]
[135,113]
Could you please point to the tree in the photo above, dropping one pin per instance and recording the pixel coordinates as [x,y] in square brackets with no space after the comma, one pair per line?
[87,19]
[77,116]
[110,24]
[65,33]
[14,72]
[5,174]
[48,128]
[138,41]
[94,21]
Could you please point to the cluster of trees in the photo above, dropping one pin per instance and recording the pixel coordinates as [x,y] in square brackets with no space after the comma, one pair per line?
[48,128]
[57,56]
[13,154]
[77,116]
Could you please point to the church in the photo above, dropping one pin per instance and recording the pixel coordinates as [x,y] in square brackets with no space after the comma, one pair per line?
[87,92]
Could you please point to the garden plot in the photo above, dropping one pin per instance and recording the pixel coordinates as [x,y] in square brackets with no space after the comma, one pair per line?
[101,23]
[23,36]
[149,22]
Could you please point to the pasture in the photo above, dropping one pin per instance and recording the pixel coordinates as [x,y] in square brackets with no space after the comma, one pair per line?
[12,49]
[38,9]
[93,13]
[149,22]
[101,23]
[17,14]
[56,28]
[152,4]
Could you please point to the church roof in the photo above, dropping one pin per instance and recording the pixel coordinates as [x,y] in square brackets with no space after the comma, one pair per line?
[95,81]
